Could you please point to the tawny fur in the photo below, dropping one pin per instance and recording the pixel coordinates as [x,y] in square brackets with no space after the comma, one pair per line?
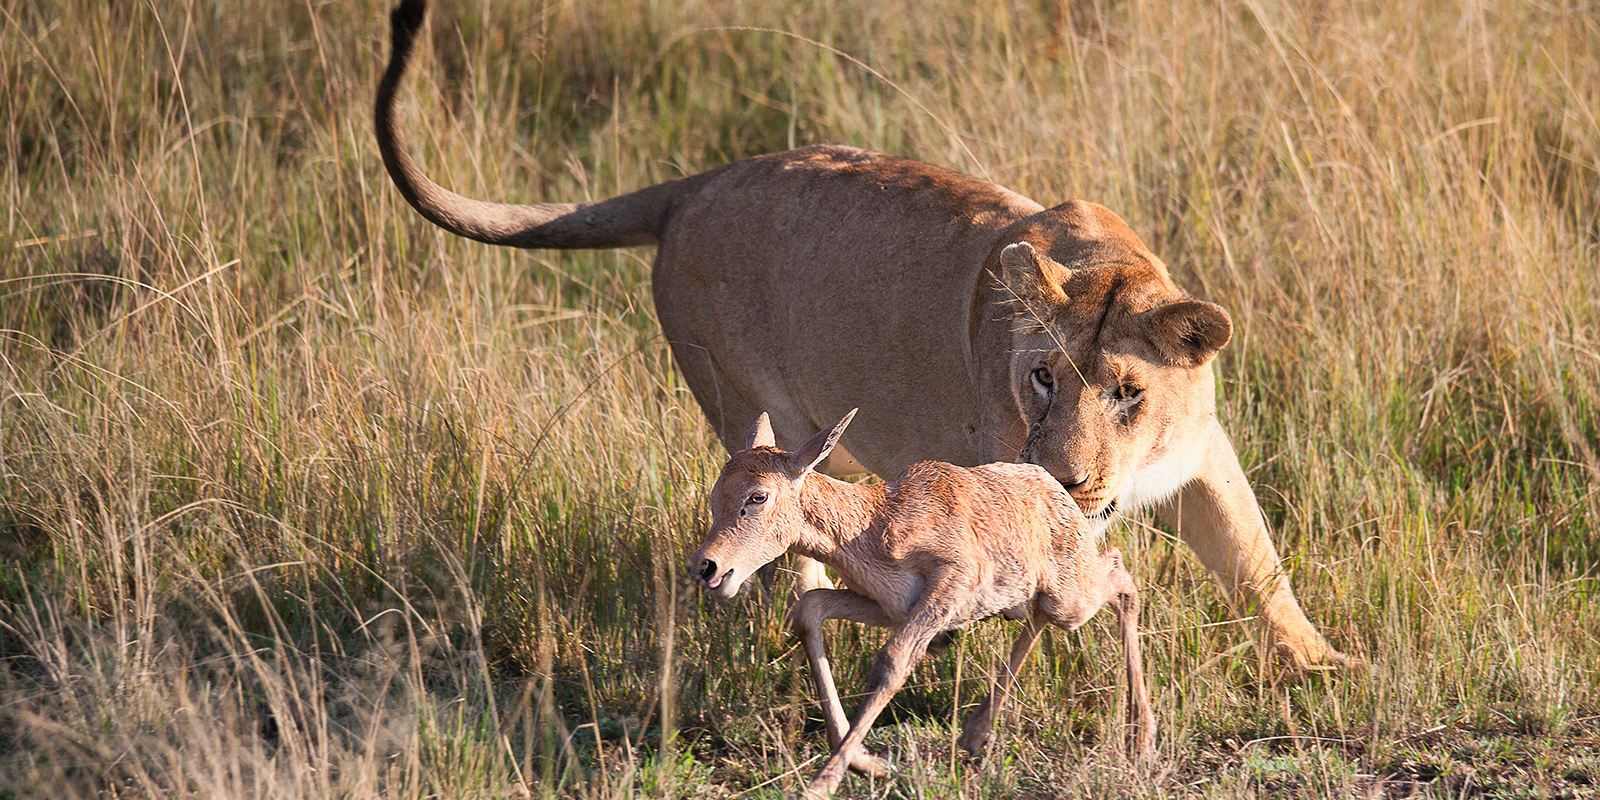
[969,323]
[934,550]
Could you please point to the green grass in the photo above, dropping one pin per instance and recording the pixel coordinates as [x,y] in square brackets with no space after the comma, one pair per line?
[301,497]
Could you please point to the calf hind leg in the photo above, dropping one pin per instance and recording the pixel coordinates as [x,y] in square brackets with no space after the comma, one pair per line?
[1125,600]
[1117,589]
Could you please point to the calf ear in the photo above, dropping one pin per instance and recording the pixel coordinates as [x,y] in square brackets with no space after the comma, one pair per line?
[1031,277]
[817,448]
[1189,333]
[760,434]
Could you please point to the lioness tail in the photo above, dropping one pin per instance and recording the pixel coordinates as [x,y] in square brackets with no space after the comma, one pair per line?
[632,219]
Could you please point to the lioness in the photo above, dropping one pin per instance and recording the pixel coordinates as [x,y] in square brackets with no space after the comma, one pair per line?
[969,324]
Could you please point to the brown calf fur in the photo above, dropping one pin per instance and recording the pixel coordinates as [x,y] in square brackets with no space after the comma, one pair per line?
[934,550]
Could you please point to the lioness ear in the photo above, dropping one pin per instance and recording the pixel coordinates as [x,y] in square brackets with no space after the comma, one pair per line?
[1189,332]
[817,448]
[760,434]
[1031,277]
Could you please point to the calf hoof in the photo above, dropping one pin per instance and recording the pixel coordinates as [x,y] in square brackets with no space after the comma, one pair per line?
[975,736]
[1142,747]
[870,766]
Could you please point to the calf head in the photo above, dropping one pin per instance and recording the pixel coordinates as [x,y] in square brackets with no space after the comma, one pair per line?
[1108,363]
[755,506]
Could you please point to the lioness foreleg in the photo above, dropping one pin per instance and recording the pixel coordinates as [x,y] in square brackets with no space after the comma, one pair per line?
[1216,514]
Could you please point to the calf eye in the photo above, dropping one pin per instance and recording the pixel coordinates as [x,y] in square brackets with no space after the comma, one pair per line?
[1128,394]
[755,498]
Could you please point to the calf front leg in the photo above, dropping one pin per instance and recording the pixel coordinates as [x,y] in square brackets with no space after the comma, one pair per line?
[975,733]
[815,607]
[902,652]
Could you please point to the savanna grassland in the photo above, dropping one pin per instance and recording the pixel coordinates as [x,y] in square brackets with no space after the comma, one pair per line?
[301,497]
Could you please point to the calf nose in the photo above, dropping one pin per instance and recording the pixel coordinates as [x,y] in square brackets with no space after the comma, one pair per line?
[708,569]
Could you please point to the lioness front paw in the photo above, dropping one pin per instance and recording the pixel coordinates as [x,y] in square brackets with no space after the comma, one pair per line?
[1310,655]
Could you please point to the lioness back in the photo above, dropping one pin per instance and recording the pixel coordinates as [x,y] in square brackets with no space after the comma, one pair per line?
[762,267]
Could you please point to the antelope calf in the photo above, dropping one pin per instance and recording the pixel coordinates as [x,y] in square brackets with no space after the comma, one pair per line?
[937,548]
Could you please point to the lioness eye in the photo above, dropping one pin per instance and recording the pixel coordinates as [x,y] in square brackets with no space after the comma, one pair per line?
[1129,394]
[1044,377]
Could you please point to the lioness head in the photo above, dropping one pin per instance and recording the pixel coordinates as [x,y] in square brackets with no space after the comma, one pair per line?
[1109,364]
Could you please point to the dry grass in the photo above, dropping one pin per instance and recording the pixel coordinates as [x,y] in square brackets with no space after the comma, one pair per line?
[300,497]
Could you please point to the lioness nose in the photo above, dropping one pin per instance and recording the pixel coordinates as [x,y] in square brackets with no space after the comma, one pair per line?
[708,569]
[1075,481]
